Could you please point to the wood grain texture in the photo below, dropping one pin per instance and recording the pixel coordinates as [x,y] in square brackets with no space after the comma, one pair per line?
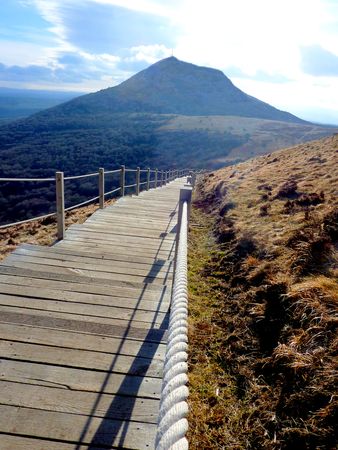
[83,328]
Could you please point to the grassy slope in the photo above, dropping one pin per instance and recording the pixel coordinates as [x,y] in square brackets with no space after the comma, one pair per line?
[42,231]
[263,334]
[260,136]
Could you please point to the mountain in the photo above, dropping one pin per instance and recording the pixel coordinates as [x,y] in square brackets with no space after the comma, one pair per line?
[171,114]
[18,103]
[171,86]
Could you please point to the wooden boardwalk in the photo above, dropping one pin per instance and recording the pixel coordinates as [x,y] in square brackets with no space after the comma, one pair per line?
[83,330]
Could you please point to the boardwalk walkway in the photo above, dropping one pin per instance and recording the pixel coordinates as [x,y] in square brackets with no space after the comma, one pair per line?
[83,330]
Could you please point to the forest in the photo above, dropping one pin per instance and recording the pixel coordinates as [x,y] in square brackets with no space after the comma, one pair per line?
[37,148]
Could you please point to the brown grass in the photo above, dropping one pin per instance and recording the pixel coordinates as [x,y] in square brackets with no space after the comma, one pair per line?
[275,272]
[41,232]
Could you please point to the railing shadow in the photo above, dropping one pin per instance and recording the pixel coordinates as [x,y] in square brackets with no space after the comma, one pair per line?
[106,434]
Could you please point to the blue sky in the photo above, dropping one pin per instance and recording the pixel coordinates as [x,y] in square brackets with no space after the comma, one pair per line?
[284,52]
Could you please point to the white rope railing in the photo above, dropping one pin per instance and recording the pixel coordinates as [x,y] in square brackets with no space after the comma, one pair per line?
[172,422]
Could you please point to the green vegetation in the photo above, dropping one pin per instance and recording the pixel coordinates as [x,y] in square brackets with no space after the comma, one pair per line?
[138,124]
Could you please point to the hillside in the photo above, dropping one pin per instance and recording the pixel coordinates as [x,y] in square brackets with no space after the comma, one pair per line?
[264,292]
[140,123]
[171,86]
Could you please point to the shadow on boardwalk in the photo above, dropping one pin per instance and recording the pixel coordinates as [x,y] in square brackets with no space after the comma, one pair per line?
[112,432]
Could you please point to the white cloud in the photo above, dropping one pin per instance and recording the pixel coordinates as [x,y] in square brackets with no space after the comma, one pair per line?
[256,38]
[148,53]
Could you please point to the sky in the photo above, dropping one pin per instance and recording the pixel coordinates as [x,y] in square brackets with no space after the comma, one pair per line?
[284,52]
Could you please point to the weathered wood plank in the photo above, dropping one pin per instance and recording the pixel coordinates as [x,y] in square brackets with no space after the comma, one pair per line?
[66,427]
[27,263]
[112,321]
[48,274]
[83,330]
[83,309]
[79,402]
[80,341]
[79,379]
[67,357]
[105,268]
[93,257]
[81,324]
[77,297]
[17,442]
[147,293]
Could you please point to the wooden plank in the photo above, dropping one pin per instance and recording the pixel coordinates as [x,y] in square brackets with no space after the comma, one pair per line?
[114,229]
[93,257]
[146,222]
[17,442]
[104,268]
[80,341]
[78,402]
[144,293]
[62,426]
[109,239]
[77,297]
[67,357]
[86,245]
[79,324]
[68,378]
[74,276]
[13,261]
[84,317]
[83,309]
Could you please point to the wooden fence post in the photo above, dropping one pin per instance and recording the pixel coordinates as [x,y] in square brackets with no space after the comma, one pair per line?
[60,205]
[156,175]
[122,179]
[137,181]
[148,179]
[101,187]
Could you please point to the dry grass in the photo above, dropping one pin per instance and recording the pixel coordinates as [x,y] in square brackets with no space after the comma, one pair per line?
[275,272]
[41,232]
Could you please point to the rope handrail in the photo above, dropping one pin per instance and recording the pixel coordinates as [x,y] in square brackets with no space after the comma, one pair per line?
[172,422]
[82,203]
[107,172]
[112,192]
[76,177]
[27,179]
[27,220]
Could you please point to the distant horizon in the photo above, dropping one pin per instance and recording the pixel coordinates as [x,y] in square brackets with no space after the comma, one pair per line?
[61,90]
[284,53]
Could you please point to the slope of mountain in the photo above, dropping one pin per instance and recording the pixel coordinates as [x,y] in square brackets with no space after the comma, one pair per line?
[18,103]
[156,118]
[265,301]
[171,86]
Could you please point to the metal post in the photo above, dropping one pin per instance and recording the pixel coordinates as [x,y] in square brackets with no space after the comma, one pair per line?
[101,187]
[60,205]
[156,175]
[162,178]
[137,181]
[148,179]
[122,179]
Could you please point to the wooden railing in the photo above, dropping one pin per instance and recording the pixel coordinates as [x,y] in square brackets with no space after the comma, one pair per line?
[154,178]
